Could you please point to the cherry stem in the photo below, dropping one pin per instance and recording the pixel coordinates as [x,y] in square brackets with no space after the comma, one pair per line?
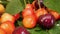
[28,2]
[25,2]
[39,3]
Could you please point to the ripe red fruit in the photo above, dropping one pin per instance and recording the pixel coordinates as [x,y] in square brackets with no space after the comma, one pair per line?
[27,11]
[8,27]
[54,13]
[29,21]
[20,30]
[40,12]
[17,16]
[2,31]
[46,21]
[7,17]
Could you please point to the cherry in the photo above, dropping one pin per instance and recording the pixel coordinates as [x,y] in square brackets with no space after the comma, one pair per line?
[29,21]
[46,21]
[20,30]
[54,13]
[27,11]
[7,17]
[17,16]
[40,12]
[38,5]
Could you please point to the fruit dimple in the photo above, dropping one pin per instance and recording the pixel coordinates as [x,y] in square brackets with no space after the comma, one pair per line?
[46,21]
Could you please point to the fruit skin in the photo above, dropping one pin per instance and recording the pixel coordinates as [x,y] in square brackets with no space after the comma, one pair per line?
[54,13]
[8,27]
[0,19]
[7,17]
[27,11]
[40,12]
[20,30]
[2,31]
[17,16]
[46,21]
[29,21]
[2,9]
[29,6]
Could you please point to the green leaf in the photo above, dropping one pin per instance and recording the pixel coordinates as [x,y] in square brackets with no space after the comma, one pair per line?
[36,30]
[14,7]
[55,30]
[31,1]
[53,4]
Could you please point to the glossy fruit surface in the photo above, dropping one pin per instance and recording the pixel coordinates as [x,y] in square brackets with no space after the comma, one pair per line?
[40,12]
[2,31]
[29,21]
[8,27]
[20,30]
[27,11]
[2,9]
[7,17]
[46,21]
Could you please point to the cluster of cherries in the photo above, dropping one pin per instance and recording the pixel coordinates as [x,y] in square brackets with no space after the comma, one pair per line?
[33,14]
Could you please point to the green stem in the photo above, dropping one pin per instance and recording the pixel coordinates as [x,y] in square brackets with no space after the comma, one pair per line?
[28,1]
[25,2]
[39,3]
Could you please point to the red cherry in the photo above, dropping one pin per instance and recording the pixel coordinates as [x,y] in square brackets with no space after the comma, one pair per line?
[27,11]
[8,27]
[54,13]
[20,30]
[29,21]
[40,12]
[46,21]
[17,16]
